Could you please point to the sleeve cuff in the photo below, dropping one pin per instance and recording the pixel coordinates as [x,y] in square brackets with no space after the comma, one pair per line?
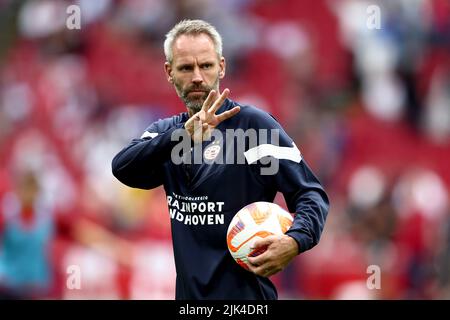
[302,239]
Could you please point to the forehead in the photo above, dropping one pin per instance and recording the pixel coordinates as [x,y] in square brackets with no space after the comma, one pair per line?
[192,47]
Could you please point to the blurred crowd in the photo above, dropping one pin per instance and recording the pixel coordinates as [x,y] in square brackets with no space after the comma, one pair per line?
[368,107]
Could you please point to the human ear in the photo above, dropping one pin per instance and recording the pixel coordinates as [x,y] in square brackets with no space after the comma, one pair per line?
[168,71]
[222,65]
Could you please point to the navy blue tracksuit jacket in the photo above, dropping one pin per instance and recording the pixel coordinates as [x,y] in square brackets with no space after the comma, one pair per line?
[204,196]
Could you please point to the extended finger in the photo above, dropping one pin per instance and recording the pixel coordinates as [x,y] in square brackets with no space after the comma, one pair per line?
[228,114]
[209,100]
[219,101]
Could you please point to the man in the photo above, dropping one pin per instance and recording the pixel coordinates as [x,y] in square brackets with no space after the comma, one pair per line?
[203,196]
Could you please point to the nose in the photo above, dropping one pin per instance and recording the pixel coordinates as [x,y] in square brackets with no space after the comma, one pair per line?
[197,78]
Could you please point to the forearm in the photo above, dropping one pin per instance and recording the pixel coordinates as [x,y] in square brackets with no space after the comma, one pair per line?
[140,164]
[309,220]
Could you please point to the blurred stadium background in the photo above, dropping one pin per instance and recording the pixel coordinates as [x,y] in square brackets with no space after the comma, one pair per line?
[368,108]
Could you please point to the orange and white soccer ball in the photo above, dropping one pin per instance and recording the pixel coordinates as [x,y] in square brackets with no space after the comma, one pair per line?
[255,221]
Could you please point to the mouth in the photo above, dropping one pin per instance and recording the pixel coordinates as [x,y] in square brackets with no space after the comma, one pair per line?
[196,92]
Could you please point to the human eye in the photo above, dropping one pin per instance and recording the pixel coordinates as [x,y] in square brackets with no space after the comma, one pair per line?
[206,66]
[185,68]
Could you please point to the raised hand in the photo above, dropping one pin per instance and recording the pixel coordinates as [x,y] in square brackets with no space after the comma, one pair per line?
[200,125]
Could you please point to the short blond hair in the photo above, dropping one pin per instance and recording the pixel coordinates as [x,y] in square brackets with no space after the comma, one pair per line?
[191,27]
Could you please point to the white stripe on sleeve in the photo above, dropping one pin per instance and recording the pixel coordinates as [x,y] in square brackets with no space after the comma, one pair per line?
[264,150]
[149,134]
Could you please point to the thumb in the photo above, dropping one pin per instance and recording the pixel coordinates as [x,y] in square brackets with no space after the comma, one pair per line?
[198,129]
[264,242]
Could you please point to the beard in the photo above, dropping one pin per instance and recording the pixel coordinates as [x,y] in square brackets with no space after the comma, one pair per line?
[194,103]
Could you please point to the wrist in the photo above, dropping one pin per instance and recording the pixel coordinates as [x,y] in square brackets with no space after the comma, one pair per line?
[293,244]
